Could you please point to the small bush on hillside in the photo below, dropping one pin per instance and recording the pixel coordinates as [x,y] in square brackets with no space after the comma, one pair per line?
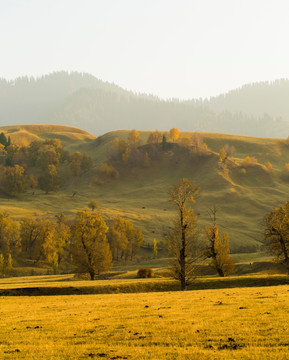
[249,161]
[269,168]
[145,273]
[93,205]
[108,171]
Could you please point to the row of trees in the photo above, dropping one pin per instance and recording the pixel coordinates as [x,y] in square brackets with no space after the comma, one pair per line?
[87,243]
[184,235]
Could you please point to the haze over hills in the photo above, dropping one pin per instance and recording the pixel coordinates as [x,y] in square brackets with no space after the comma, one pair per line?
[81,100]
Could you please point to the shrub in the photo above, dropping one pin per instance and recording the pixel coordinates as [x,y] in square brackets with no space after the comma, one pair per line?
[108,171]
[249,161]
[269,167]
[145,273]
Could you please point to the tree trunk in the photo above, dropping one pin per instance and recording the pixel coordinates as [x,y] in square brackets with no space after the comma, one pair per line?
[183,257]
[92,275]
[220,272]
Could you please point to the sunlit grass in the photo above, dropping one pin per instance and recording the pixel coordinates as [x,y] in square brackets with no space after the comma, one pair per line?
[248,323]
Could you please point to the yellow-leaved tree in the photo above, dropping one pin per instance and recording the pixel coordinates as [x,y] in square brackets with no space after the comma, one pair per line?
[218,249]
[184,233]
[89,246]
[174,134]
[134,138]
[124,238]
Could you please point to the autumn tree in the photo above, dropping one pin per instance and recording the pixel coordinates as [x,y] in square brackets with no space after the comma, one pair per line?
[184,232]
[174,134]
[89,245]
[11,150]
[5,141]
[222,155]
[134,138]
[93,205]
[124,238]
[199,147]
[185,141]
[86,163]
[155,137]
[107,172]
[32,182]
[218,248]
[55,246]
[230,150]
[249,161]
[34,151]
[34,233]
[13,180]
[79,163]
[276,233]
[9,236]
[269,167]
[49,180]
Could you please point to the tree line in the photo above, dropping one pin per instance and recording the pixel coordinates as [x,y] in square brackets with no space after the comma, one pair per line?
[87,243]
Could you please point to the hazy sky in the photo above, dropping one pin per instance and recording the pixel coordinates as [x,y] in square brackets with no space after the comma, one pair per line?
[171,48]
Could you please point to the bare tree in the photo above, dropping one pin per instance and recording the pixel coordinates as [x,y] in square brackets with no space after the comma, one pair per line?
[184,233]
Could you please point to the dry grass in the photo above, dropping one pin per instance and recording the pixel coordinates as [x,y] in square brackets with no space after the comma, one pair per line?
[248,323]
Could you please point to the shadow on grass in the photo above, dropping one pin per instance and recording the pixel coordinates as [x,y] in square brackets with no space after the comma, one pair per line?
[136,286]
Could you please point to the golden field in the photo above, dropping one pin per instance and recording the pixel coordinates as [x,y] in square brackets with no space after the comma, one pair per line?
[236,323]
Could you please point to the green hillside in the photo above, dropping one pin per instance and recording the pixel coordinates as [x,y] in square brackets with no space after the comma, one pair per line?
[242,194]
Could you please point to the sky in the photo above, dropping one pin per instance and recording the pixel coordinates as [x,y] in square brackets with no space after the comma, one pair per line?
[170,48]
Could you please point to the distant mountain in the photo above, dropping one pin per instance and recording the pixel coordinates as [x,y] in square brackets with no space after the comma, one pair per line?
[255,99]
[81,100]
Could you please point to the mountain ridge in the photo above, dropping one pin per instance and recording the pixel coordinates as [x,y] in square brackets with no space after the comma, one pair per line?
[81,100]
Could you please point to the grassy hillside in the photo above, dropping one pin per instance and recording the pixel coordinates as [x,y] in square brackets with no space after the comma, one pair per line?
[242,196]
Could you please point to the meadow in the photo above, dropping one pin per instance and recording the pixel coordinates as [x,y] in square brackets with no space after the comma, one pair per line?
[229,323]
[243,196]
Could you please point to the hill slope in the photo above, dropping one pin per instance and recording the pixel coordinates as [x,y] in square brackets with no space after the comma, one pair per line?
[242,195]
[83,101]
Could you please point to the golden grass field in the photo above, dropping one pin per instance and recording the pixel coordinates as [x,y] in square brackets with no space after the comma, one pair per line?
[236,323]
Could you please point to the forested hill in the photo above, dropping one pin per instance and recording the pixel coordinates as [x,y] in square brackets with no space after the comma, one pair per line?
[81,100]
[255,99]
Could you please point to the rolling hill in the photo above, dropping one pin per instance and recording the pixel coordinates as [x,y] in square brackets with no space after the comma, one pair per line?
[81,100]
[242,194]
